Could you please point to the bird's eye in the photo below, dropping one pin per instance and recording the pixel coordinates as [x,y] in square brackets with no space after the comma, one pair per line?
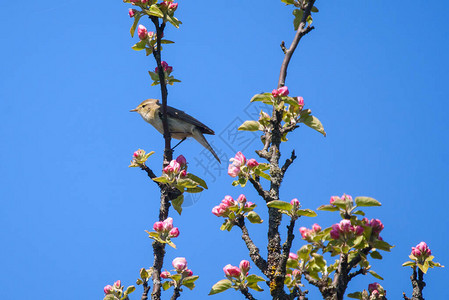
[143,105]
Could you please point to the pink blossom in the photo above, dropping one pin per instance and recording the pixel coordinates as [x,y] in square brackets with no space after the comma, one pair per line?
[295,202]
[117,284]
[346,198]
[218,211]
[174,232]
[164,64]
[345,226]
[333,198]
[175,166]
[231,271]
[335,234]
[228,201]
[373,286]
[283,91]
[181,160]
[158,226]
[377,225]
[142,32]
[375,293]
[131,12]
[223,206]
[179,263]
[241,198]
[183,173]
[293,256]
[188,272]
[244,266]
[168,224]
[316,227]
[300,101]
[421,250]
[239,159]
[137,153]
[296,273]
[168,69]
[163,4]
[416,252]
[165,274]
[252,163]
[167,169]
[173,6]
[249,204]
[359,230]
[108,289]
[305,232]
[275,93]
[233,171]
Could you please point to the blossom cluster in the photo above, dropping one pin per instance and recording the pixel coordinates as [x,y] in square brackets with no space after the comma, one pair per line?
[421,251]
[228,204]
[308,234]
[176,169]
[111,289]
[238,163]
[344,198]
[282,91]
[139,158]
[376,291]
[235,272]
[345,230]
[165,229]
[167,69]
[180,265]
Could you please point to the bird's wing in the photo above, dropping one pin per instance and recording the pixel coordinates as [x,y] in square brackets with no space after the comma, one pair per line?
[179,114]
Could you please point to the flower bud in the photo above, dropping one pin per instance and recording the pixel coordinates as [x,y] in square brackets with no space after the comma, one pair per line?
[168,224]
[373,286]
[275,93]
[174,232]
[108,289]
[158,226]
[163,5]
[292,256]
[164,64]
[132,12]
[316,227]
[188,272]
[117,284]
[165,274]
[377,225]
[244,266]
[239,159]
[333,198]
[233,171]
[173,6]
[217,211]
[252,163]
[179,263]
[296,273]
[183,173]
[241,199]
[231,271]
[249,204]
[300,102]
[359,230]
[142,32]
[175,166]
[345,226]
[283,91]
[295,202]
[181,160]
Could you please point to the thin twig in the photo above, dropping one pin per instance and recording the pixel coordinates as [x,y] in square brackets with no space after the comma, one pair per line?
[247,294]
[263,193]
[176,294]
[288,162]
[354,274]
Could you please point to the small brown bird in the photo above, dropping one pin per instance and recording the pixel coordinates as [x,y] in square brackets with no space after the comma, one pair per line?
[180,124]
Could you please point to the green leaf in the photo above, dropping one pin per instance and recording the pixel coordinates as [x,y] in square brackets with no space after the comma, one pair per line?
[143,273]
[375,255]
[155,11]
[190,279]
[424,267]
[109,297]
[166,285]
[303,252]
[309,20]
[298,17]
[130,289]
[254,218]
[161,179]
[255,287]
[327,207]
[306,213]
[280,205]
[194,190]
[175,22]
[140,45]
[148,51]
[382,245]
[375,274]
[356,295]
[314,9]
[265,98]
[167,42]
[313,123]
[200,181]
[220,286]
[287,2]
[359,212]
[366,201]
[250,126]
[134,26]
[409,264]
[154,76]
[254,278]
[189,285]
[187,183]
[262,174]
[171,244]
[139,281]
[177,203]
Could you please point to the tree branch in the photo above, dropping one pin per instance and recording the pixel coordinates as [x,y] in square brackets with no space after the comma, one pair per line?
[264,194]
[288,162]
[176,293]
[247,294]
[146,289]
[418,284]
[254,253]
[354,274]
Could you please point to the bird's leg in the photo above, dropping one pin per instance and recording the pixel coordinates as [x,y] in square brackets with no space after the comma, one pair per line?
[178,144]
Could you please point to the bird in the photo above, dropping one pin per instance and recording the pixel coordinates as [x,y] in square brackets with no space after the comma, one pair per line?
[180,124]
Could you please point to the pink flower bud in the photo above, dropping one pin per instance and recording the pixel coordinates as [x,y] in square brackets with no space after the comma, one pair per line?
[283,91]
[168,224]
[117,284]
[300,102]
[244,266]
[164,64]
[181,160]
[373,286]
[375,293]
[241,199]
[296,273]
[165,274]
[188,272]
[168,169]
[179,263]
[183,173]
[175,166]
[168,69]
[333,198]
[231,271]
[144,1]
[292,256]
[295,202]
[252,163]
[377,225]
[217,211]
[164,5]
[335,234]
[249,204]
[142,32]
[239,159]
[228,201]
[131,12]
[316,227]
[108,289]
[421,250]
[359,230]
[233,171]
[173,6]
[275,93]
[345,226]
[174,232]
[416,252]
[158,226]
[346,198]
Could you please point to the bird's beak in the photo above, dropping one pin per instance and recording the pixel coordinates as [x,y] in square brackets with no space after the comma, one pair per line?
[135,109]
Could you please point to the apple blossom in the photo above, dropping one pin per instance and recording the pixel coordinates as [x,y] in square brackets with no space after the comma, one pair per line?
[179,263]
[165,274]
[231,271]
[244,266]
[158,226]
[283,91]
[316,227]
[241,199]
[108,289]
[174,232]
[252,163]
[181,160]
[233,171]
[142,32]
[295,202]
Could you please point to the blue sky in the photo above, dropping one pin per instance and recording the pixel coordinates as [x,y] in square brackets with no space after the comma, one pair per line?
[73,214]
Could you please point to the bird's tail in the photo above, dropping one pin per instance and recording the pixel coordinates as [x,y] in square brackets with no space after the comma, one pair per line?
[198,135]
